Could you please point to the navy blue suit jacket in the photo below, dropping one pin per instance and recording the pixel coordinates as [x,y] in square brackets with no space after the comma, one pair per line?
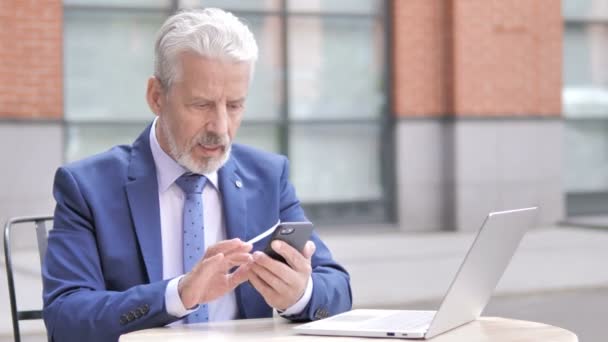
[102,273]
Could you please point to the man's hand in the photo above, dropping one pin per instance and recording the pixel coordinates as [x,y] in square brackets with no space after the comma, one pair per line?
[210,277]
[281,285]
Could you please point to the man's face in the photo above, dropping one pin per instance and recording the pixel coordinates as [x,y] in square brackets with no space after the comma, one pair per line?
[201,112]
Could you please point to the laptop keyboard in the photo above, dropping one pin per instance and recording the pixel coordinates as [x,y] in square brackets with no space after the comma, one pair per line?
[401,321]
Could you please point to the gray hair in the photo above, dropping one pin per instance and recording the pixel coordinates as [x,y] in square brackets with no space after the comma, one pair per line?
[209,32]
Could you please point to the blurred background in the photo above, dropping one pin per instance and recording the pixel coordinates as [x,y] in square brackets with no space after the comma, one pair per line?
[405,121]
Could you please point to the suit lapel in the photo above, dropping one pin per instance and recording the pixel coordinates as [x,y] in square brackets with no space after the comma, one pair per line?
[142,194]
[233,190]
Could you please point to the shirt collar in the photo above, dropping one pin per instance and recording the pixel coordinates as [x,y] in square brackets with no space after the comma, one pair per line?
[167,169]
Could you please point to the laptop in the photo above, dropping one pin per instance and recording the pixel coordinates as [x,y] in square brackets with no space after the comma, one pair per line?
[467,296]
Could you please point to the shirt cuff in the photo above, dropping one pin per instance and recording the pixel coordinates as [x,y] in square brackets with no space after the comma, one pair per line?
[173,302]
[299,306]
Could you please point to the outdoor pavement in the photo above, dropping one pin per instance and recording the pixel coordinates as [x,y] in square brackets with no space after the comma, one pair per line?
[558,275]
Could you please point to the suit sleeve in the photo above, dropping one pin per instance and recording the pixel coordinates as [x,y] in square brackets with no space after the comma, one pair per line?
[331,283]
[77,305]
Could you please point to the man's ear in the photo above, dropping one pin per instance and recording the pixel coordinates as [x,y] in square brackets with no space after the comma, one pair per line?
[155,95]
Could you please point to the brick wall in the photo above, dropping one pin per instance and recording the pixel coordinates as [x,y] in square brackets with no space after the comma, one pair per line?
[477,57]
[422,75]
[31,59]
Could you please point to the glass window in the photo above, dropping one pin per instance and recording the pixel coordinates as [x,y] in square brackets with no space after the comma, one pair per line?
[84,140]
[262,136]
[337,68]
[108,59]
[320,171]
[585,9]
[585,105]
[265,95]
[316,100]
[234,5]
[366,7]
[164,4]
[586,157]
[585,91]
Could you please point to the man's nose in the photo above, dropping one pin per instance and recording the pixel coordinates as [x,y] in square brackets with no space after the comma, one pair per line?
[218,123]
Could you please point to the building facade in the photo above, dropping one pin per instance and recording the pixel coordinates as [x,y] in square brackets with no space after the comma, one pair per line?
[423,113]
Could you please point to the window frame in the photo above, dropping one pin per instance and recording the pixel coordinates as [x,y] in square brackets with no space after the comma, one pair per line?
[584,202]
[384,209]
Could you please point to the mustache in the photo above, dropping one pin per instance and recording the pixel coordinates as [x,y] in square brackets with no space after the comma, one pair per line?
[212,139]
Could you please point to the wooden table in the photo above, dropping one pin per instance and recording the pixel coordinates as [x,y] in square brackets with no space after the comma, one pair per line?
[277,329]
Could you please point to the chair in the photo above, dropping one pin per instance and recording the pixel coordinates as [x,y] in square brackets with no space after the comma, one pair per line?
[39,222]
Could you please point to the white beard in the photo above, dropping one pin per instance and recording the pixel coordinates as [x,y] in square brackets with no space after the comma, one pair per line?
[199,166]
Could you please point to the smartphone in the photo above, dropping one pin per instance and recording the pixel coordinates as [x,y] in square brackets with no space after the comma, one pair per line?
[296,234]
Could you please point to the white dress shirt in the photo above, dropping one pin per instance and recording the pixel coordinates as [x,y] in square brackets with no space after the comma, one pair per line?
[171,201]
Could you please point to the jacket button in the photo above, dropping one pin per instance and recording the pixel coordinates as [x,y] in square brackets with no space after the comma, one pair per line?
[321,313]
[138,312]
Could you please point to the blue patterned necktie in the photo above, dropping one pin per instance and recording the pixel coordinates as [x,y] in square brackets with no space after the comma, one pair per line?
[194,231]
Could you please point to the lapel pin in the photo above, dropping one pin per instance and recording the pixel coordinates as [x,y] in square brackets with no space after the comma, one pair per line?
[238,184]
